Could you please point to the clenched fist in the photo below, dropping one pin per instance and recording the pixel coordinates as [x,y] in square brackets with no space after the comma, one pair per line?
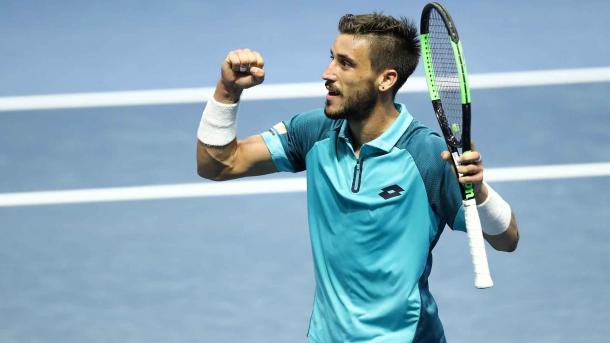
[242,69]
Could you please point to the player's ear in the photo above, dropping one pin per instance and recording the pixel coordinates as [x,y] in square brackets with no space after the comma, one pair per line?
[387,79]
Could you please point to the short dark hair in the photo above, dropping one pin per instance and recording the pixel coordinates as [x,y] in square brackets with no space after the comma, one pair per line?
[394,43]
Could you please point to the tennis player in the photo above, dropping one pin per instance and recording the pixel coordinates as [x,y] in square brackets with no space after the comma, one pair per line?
[380,188]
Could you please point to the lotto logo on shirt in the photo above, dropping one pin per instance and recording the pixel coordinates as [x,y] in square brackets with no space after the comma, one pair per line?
[391,192]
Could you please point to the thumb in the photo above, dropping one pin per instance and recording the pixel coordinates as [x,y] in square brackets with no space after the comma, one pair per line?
[257,73]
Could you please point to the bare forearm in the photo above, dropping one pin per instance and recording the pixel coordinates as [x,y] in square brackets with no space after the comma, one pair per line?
[213,162]
[226,94]
[507,240]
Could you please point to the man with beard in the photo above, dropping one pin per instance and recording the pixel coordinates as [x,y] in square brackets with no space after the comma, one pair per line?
[380,189]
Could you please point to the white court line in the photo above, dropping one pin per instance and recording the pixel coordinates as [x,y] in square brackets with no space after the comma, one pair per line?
[288,90]
[267,186]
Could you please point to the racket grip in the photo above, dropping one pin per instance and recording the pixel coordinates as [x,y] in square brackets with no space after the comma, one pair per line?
[482,277]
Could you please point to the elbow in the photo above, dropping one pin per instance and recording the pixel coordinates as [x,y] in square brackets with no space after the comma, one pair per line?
[509,245]
[203,173]
[208,174]
[206,171]
[212,168]
[209,169]
[213,173]
[513,246]
[514,242]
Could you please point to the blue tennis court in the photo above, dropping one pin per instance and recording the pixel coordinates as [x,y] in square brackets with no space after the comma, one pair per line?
[237,268]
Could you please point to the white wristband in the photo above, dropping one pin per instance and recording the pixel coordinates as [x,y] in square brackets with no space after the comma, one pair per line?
[217,125]
[495,213]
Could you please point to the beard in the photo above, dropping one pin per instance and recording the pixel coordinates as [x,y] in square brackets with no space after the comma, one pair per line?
[357,106]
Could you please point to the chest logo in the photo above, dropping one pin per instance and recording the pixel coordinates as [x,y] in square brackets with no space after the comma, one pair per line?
[390,192]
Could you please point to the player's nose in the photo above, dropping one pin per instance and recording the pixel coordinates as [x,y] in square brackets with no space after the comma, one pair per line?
[329,74]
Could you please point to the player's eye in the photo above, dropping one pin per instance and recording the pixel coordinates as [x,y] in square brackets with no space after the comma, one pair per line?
[345,64]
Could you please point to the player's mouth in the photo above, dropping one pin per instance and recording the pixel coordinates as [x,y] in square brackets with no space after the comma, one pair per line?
[333,93]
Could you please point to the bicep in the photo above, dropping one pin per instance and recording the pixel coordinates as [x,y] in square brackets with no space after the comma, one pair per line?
[251,158]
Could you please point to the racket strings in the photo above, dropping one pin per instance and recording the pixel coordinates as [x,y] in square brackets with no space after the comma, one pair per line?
[446,75]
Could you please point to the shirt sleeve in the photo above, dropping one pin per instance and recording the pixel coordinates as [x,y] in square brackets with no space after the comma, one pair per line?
[290,141]
[459,222]
[442,187]
[273,139]
[447,197]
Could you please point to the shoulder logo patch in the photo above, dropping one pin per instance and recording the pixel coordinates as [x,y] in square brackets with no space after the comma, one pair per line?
[280,128]
[390,192]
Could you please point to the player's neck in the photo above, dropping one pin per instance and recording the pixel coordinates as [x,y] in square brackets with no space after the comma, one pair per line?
[365,130]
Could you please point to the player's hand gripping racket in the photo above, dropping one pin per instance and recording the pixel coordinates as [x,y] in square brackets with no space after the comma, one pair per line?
[446,76]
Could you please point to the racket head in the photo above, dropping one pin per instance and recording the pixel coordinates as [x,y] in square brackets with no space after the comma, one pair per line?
[445,70]
[446,75]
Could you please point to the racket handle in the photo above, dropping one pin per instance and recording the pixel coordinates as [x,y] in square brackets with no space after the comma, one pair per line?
[482,278]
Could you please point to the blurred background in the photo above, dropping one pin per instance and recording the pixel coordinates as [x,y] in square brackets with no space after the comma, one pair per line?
[237,268]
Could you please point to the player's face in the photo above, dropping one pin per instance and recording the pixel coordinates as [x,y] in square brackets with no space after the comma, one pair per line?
[350,79]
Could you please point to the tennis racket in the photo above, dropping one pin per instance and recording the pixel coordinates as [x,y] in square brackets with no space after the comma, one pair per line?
[447,81]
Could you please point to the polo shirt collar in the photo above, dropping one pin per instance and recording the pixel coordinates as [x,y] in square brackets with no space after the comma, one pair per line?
[389,137]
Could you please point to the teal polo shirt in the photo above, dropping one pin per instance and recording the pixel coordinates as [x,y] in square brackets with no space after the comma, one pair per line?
[373,222]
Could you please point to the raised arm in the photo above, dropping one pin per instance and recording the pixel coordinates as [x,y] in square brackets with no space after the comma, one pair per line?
[497,219]
[220,156]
